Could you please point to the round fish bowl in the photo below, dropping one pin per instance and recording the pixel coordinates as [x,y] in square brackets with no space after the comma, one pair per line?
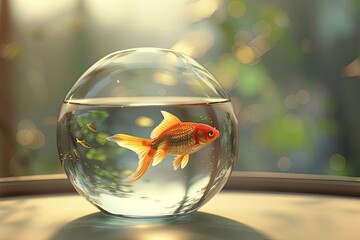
[147,133]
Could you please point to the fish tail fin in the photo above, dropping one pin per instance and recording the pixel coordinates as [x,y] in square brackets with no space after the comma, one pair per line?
[142,147]
[143,165]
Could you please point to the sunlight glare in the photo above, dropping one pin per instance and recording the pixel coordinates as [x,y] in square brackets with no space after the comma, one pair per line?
[36,10]
[195,43]
[164,78]
[203,9]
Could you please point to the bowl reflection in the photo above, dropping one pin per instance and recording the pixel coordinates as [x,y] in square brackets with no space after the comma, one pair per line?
[193,226]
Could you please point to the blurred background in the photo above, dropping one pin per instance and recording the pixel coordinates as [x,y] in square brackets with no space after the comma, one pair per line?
[292,69]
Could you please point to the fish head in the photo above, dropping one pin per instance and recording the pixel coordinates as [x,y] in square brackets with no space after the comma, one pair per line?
[206,134]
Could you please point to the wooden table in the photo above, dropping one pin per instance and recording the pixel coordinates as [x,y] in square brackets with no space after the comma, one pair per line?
[229,215]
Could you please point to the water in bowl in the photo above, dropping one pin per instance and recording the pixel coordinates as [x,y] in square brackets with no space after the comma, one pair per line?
[98,168]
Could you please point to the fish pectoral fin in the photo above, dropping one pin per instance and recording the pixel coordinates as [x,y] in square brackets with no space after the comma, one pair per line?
[159,156]
[181,160]
[184,161]
[177,161]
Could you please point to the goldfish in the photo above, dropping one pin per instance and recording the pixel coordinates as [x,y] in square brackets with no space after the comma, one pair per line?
[76,152]
[172,137]
[83,143]
[91,127]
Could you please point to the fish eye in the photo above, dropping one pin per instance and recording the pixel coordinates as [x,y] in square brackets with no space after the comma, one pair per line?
[210,133]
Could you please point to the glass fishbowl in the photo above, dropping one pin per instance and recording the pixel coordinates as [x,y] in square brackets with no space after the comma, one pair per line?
[147,133]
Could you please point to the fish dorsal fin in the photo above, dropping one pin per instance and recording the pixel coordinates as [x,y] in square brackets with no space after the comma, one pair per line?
[169,120]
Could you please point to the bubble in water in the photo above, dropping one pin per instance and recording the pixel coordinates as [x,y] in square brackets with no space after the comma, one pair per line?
[113,156]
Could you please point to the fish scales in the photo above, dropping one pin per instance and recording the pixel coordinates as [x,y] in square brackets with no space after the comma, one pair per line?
[177,139]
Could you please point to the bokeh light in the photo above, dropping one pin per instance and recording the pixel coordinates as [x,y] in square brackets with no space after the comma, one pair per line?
[284,164]
[236,8]
[293,78]
[29,136]
[337,162]
[144,121]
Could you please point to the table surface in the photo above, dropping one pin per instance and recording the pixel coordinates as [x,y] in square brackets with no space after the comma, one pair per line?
[229,215]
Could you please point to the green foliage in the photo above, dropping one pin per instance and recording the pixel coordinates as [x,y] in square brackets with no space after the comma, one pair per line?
[252,80]
[283,134]
[89,125]
[101,138]
[97,154]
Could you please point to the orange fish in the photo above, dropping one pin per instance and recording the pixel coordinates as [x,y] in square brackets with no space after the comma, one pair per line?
[172,137]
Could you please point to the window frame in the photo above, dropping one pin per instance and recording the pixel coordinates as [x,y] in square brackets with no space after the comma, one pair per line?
[239,181]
